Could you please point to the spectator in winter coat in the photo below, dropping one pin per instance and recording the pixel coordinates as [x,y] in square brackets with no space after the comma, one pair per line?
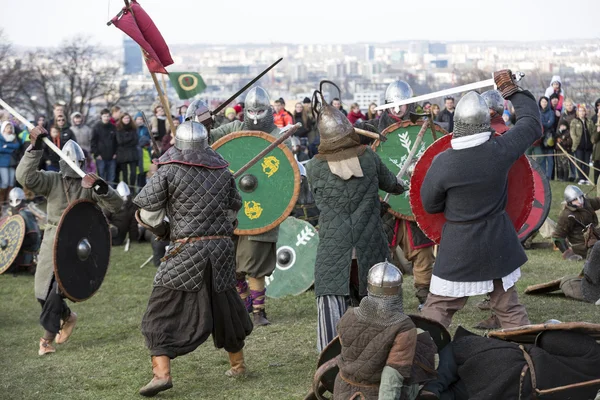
[556,87]
[557,112]
[57,110]
[595,118]
[301,115]
[144,148]
[435,109]
[563,165]
[281,117]
[372,113]
[545,154]
[569,112]
[104,147]
[159,126]
[355,114]
[169,140]
[181,113]
[82,132]
[115,115]
[43,122]
[64,135]
[127,152]
[445,118]
[9,145]
[581,132]
[337,103]
[230,114]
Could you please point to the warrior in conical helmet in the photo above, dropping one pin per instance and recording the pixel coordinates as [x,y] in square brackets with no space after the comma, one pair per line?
[61,189]
[194,293]
[345,178]
[468,183]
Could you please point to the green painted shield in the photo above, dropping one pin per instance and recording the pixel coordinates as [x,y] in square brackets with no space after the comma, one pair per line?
[394,153]
[296,257]
[274,180]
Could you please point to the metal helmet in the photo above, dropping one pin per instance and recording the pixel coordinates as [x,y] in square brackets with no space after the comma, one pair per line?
[494,100]
[72,150]
[123,190]
[398,90]
[295,141]
[191,135]
[471,116]
[384,279]
[16,197]
[573,193]
[257,104]
[198,111]
[333,125]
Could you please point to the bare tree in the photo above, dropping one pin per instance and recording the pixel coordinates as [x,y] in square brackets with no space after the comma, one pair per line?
[11,71]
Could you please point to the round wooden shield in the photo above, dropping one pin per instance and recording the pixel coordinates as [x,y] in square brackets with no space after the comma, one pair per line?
[394,152]
[520,192]
[81,250]
[12,233]
[542,200]
[296,256]
[275,180]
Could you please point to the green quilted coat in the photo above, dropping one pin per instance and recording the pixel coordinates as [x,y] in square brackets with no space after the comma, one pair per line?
[350,219]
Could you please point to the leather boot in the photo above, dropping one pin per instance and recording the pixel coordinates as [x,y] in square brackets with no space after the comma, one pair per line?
[484,305]
[238,366]
[46,347]
[259,315]
[491,323]
[66,329]
[161,369]
[421,293]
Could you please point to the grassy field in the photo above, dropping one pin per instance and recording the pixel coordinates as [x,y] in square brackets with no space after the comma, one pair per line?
[106,357]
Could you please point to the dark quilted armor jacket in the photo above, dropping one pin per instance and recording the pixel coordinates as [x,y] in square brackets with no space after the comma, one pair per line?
[350,218]
[198,192]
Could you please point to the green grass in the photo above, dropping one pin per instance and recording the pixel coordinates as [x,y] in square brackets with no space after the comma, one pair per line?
[106,357]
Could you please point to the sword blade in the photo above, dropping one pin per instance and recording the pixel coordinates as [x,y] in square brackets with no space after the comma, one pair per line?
[229,100]
[440,93]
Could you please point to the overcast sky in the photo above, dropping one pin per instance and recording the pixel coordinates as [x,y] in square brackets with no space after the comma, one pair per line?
[47,23]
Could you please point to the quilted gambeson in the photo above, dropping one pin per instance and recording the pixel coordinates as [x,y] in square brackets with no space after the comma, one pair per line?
[198,202]
[350,219]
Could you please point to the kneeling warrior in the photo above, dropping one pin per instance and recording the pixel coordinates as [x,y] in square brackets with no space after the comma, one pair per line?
[194,292]
[61,189]
[578,215]
[383,355]
[468,183]
[33,237]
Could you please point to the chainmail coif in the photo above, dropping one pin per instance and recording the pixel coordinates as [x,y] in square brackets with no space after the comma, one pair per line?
[264,124]
[381,310]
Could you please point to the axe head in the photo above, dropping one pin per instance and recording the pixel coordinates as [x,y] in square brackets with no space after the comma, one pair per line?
[414,117]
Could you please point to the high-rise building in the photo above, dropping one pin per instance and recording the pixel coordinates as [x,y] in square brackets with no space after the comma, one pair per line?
[369,52]
[133,57]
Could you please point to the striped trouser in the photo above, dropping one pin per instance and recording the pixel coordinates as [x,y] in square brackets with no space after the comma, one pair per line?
[329,310]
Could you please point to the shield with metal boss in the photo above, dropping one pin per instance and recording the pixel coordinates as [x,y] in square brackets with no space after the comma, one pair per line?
[394,152]
[296,256]
[81,250]
[269,188]
[518,205]
[12,233]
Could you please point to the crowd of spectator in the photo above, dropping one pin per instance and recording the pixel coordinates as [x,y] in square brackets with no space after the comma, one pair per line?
[119,147]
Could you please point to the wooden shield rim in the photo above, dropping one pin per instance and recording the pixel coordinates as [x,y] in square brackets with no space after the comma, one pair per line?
[313,279]
[234,135]
[404,124]
[525,332]
[431,231]
[536,168]
[21,223]
[532,289]
[55,245]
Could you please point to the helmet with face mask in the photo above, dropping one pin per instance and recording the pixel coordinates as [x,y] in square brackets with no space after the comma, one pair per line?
[198,112]
[16,197]
[123,191]
[494,100]
[75,154]
[573,193]
[396,91]
[258,114]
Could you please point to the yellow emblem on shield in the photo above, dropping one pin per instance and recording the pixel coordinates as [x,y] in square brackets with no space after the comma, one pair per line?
[252,209]
[270,165]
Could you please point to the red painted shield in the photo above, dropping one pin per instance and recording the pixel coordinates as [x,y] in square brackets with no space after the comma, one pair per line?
[541,203]
[520,191]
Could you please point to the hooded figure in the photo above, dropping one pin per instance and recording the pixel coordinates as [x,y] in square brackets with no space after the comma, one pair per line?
[479,251]
[345,178]
[82,132]
[556,87]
